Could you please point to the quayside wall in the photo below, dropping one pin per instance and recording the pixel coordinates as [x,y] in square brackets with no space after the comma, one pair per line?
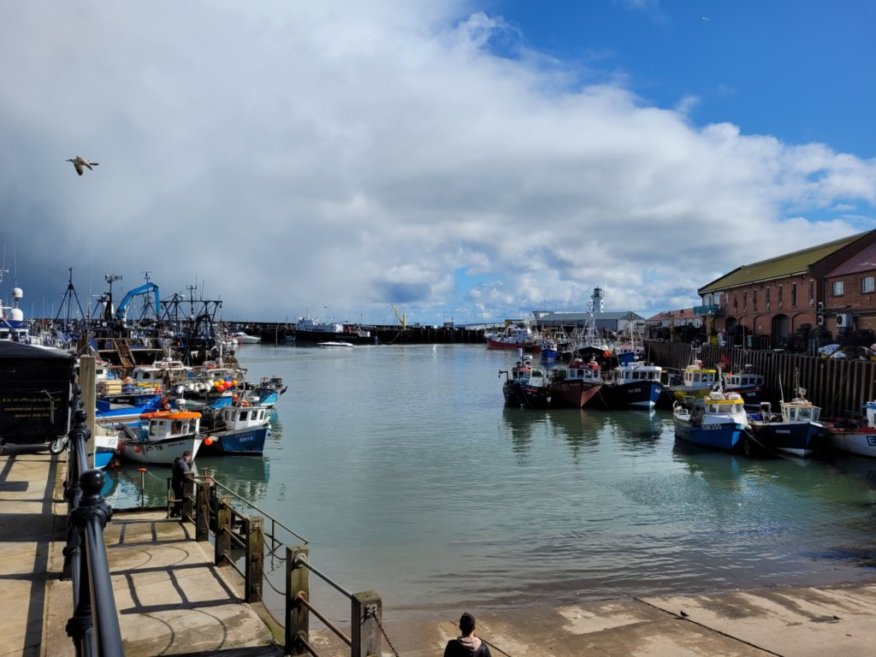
[839,386]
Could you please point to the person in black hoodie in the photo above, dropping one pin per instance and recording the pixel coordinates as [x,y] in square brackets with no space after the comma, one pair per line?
[467,644]
[182,466]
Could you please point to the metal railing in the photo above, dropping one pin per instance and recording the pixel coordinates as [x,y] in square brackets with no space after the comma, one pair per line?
[241,537]
[94,626]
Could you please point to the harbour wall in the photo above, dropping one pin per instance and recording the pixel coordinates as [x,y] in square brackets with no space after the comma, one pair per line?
[274,333]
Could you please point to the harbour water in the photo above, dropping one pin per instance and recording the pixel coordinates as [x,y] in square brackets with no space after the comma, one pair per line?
[403,470]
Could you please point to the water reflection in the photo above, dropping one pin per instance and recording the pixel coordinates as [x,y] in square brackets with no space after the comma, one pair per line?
[636,431]
[245,476]
[579,429]
[131,486]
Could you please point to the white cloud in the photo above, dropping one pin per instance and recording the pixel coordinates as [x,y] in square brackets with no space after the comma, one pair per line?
[356,154]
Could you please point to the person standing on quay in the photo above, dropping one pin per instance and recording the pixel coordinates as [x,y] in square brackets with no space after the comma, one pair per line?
[182,466]
[467,644]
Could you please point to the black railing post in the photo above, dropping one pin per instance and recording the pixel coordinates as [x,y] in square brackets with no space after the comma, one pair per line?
[90,518]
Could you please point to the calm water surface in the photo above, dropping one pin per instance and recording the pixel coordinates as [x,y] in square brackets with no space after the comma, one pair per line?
[402,468]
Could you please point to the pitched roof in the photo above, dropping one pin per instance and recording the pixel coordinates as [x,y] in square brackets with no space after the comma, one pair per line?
[581,317]
[785,265]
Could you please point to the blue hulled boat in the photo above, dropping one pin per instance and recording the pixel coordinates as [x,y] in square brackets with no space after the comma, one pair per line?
[717,421]
[634,385]
[239,430]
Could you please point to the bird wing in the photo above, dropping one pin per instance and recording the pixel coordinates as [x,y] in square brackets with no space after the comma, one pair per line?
[78,167]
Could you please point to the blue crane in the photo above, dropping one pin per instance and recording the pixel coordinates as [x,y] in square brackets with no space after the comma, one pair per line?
[146,288]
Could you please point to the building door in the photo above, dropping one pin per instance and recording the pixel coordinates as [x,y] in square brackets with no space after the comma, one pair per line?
[781,329]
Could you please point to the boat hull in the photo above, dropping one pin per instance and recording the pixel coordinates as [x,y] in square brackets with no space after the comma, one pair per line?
[640,394]
[572,394]
[158,452]
[860,441]
[725,436]
[315,337]
[533,347]
[795,438]
[518,394]
[249,442]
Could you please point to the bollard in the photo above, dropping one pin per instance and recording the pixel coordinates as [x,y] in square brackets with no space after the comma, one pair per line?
[202,510]
[366,610]
[255,555]
[297,615]
[223,531]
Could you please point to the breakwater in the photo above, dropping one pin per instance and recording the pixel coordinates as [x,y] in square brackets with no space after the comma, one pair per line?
[278,333]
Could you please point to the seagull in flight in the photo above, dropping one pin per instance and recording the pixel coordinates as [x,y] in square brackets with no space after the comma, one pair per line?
[80,164]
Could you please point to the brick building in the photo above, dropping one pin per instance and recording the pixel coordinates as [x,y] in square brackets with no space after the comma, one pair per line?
[825,285]
[850,293]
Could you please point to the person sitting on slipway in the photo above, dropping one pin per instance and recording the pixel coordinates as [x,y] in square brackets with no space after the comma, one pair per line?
[467,644]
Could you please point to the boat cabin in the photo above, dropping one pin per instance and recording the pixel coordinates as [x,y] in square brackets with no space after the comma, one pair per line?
[697,376]
[244,417]
[525,374]
[578,370]
[633,373]
[800,411]
[743,379]
[730,403]
[170,424]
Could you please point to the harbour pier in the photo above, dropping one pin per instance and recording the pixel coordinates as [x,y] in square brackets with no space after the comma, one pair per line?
[172,599]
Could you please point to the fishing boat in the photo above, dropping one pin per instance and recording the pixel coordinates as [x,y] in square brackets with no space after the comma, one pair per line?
[526,385]
[716,421]
[855,435]
[696,381]
[241,337]
[514,336]
[160,436]
[267,392]
[308,330]
[106,445]
[240,430]
[334,343]
[795,430]
[574,385]
[634,385]
[747,383]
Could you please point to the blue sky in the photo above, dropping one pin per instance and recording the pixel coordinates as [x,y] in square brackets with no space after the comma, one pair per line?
[800,70]
[461,159]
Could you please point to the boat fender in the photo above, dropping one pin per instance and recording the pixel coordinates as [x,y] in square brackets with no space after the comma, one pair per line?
[244,403]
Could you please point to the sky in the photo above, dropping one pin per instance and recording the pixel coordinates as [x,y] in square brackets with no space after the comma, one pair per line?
[460,160]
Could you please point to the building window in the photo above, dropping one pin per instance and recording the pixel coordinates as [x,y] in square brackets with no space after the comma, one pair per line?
[867,284]
[735,302]
[766,294]
[754,300]
[811,291]
[837,288]
[745,301]
[779,296]
[793,295]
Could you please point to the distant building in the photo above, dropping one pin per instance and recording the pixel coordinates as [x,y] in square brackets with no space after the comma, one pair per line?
[829,285]
[668,322]
[614,322]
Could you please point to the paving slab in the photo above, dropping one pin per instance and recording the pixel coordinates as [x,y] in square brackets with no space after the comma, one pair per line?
[26,527]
